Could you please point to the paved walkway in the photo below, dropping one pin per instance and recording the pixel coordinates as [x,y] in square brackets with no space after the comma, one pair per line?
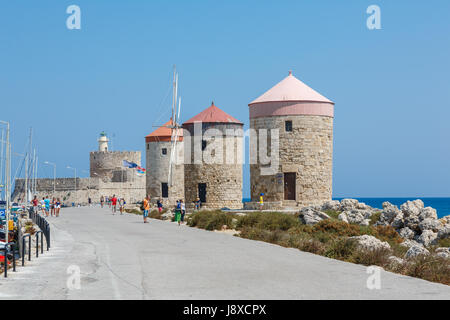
[120,257]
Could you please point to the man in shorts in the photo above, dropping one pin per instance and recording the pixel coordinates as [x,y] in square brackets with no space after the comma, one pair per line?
[146,206]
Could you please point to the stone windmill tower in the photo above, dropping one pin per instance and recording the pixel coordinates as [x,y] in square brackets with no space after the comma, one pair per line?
[213,159]
[158,151]
[304,119]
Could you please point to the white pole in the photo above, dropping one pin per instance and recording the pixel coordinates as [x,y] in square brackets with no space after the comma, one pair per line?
[8,181]
[36,175]
[2,184]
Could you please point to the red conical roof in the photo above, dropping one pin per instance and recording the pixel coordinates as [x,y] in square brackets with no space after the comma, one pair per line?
[164,133]
[213,114]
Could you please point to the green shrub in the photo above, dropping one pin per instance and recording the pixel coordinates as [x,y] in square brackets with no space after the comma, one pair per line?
[341,249]
[337,227]
[210,220]
[333,213]
[377,257]
[444,242]
[268,221]
[375,217]
[430,268]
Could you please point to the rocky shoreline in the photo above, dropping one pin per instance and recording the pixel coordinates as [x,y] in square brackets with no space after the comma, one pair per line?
[418,225]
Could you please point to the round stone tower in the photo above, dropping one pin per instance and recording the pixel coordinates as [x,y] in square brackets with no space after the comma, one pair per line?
[213,159]
[302,174]
[158,161]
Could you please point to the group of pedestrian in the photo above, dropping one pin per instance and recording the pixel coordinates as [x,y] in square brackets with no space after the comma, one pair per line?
[114,202]
[180,211]
[47,207]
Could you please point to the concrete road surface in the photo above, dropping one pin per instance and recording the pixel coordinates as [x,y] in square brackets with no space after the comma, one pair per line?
[120,257]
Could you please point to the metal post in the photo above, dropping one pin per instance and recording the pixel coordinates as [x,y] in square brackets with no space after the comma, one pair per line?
[8,182]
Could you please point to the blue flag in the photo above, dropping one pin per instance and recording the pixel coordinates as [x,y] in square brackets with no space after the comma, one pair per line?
[129,164]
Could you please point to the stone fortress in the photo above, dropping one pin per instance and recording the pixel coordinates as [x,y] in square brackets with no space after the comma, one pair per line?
[303,149]
[108,176]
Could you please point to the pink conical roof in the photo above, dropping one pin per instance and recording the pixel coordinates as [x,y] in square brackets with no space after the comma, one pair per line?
[213,114]
[291,89]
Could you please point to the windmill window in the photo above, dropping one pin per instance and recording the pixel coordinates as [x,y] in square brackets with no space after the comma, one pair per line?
[164,190]
[288,126]
[164,151]
[204,144]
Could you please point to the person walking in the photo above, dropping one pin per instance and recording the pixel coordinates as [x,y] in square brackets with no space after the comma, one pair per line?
[58,206]
[35,203]
[178,212]
[121,205]
[159,205]
[261,201]
[102,201]
[42,202]
[183,210]
[197,204]
[146,206]
[47,205]
[90,201]
[114,204]
[52,207]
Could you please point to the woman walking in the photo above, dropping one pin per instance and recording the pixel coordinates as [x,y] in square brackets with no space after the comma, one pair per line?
[102,201]
[53,207]
[58,207]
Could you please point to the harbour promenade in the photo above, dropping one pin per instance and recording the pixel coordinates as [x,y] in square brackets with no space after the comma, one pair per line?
[120,257]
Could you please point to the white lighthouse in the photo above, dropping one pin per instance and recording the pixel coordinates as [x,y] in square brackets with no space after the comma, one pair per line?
[103,142]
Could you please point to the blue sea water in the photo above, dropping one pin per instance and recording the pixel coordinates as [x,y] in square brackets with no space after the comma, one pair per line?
[442,205]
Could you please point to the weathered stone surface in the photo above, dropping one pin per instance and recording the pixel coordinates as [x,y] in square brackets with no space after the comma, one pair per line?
[331,205]
[367,242]
[410,243]
[444,232]
[443,252]
[348,204]
[430,224]
[416,251]
[395,260]
[428,213]
[427,237]
[412,208]
[406,233]
[412,222]
[343,217]
[389,213]
[354,216]
[307,151]
[309,215]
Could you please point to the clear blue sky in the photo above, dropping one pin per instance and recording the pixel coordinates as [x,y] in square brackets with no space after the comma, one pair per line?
[391,86]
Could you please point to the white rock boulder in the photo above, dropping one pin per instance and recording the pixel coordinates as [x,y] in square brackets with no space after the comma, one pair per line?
[309,215]
[443,252]
[427,237]
[412,208]
[366,242]
[416,251]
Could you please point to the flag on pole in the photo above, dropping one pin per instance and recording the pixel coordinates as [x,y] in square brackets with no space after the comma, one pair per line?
[129,164]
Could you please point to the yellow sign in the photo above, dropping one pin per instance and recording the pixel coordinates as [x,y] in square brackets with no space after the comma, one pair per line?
[10,225]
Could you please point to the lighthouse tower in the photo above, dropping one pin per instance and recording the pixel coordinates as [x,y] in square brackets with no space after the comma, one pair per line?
[304,120]
[103,142]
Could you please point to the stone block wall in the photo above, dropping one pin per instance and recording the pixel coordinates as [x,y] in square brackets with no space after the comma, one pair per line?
[103,164]
[158,171]
[306,151]
[223,178]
